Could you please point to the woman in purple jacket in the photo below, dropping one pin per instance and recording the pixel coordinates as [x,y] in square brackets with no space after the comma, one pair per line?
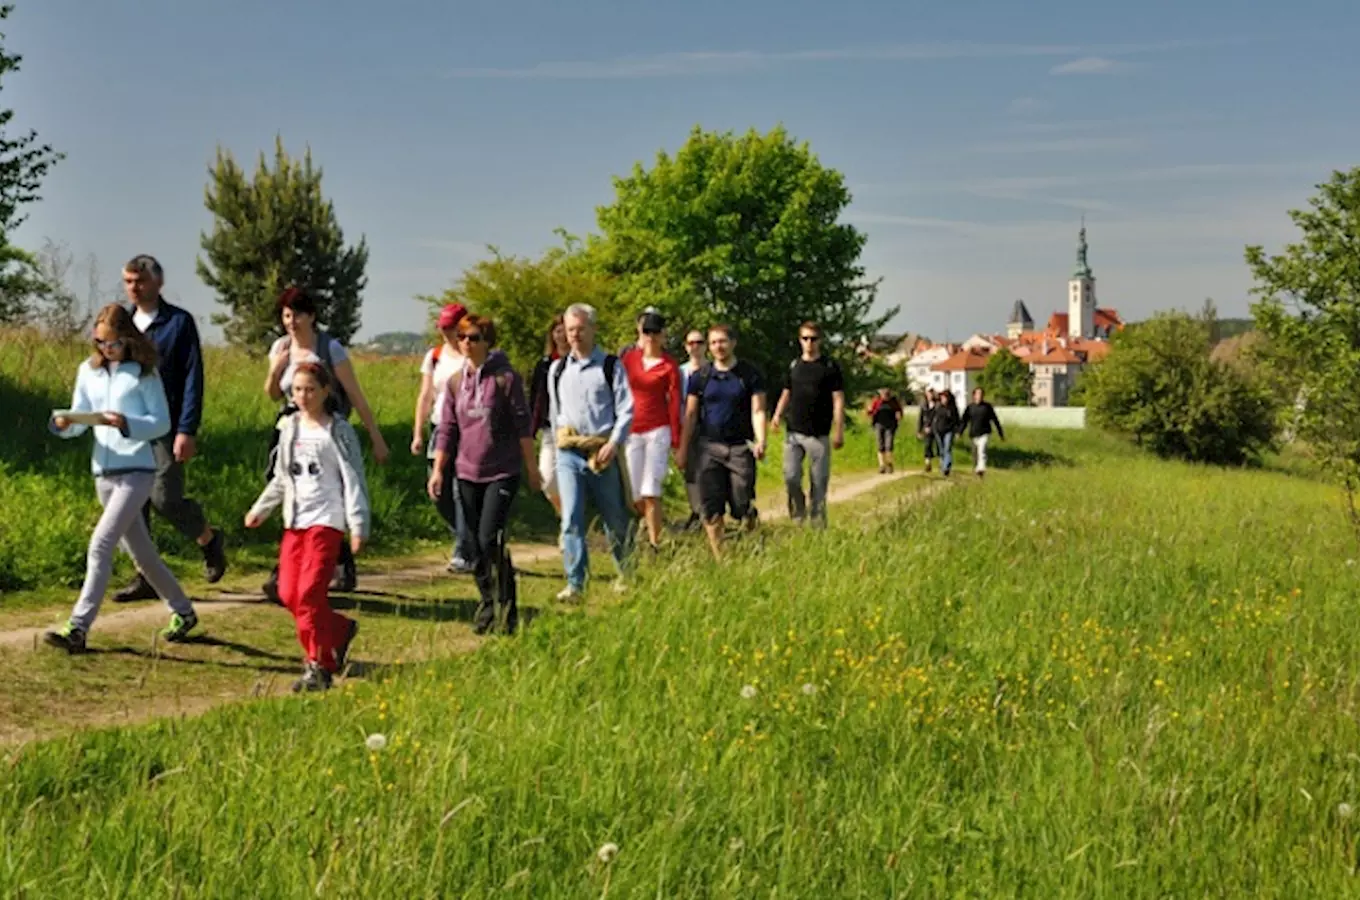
[487,427]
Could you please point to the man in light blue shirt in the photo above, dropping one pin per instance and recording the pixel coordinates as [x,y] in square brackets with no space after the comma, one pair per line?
[581,398]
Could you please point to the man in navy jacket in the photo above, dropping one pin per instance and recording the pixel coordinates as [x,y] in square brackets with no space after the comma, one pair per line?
[180,361]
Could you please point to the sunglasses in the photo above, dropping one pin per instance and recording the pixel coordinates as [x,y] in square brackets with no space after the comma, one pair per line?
[698,343]
[470,338]
[115,344]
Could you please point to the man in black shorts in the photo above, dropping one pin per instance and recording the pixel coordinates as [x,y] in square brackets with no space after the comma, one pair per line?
[725,406]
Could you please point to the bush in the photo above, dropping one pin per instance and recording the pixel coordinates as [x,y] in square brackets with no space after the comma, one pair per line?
[1160,387]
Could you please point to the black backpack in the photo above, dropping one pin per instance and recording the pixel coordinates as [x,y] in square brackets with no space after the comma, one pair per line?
[337,402]
[744,372]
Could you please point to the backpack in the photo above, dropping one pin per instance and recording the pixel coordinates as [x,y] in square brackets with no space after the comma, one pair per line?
[337,402]
[611,364]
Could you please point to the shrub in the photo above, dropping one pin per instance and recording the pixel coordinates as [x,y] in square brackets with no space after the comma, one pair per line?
[1160,387]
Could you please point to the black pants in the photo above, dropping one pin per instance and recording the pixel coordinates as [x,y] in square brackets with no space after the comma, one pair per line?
[167,495]
[486,506]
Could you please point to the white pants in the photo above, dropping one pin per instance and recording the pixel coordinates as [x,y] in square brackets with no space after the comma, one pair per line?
[980,453]
[648,455]
[547,462]
[121,524]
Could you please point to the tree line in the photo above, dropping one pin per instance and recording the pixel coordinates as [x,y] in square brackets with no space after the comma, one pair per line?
[745,229]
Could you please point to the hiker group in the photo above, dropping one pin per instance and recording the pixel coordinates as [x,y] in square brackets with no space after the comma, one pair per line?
[589,427]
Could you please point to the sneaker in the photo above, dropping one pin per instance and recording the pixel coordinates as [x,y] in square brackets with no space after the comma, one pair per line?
[180,626]
[314,678]
[68,638]
[138,589]
[570,594]
[460,566]
[342,652]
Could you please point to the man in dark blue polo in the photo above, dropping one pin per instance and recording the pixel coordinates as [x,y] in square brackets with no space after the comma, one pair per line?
[180,361]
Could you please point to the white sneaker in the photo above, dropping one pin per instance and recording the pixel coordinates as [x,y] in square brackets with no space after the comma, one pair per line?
[569,594]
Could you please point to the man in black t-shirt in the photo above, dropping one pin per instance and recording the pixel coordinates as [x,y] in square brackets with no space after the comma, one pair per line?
[725,407]
[814,399]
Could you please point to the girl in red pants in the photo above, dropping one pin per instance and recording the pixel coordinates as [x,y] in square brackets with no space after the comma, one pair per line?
[318,479]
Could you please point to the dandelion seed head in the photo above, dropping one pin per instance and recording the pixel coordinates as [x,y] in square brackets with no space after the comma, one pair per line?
[748,692]
[809,689]
[1345,810]
[376,742]
[607,852]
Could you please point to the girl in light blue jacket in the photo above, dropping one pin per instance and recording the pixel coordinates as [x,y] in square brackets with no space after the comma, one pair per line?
[120,386]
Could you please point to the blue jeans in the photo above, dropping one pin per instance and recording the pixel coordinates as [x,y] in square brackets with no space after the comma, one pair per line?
[574,482]
[945,443]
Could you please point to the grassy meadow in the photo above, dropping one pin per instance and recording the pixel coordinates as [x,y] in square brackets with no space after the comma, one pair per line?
[47,493]
[1094,674]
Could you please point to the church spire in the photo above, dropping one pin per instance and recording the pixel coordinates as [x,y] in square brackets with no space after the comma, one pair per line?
[1083,269]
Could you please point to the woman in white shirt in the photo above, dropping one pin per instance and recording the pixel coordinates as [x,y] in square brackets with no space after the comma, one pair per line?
[441,369]
[303,342]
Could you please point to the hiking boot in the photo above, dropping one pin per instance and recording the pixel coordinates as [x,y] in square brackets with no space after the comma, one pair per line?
[68,637]
[314,678]
[180,626]
[460,566]
[270,588]
[342,652]
[215,558]
[485,617]
[138,589]
[346,577]
[570,594]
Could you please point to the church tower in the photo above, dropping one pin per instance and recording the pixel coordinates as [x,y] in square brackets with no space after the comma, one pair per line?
[1081,294]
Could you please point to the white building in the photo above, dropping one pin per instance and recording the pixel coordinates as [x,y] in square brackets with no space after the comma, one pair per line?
[920,376]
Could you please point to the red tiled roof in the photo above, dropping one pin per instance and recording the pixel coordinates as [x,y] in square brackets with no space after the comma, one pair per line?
[964,360]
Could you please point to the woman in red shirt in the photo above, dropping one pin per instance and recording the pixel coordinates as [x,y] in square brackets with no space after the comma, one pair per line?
[655,381]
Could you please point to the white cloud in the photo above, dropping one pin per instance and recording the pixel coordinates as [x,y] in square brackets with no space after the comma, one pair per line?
[1088,65]
[720,62]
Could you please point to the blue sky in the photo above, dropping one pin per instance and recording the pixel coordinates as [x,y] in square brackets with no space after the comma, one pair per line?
[973,135]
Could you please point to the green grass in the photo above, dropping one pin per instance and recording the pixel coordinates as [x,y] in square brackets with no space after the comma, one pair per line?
[1092,675]
[47,494]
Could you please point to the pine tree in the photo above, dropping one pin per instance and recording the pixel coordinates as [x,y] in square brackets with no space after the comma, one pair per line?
[23,164]
[272,231]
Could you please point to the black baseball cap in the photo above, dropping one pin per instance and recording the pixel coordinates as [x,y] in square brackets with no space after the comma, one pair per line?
[652,323]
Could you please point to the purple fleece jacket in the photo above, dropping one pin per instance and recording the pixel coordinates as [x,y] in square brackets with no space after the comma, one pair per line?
[485,420]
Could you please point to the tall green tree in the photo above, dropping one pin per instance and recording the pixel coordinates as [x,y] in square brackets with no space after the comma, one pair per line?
[743,230]
[1159,386]
[271,231]
[23,164]
[1006,379]
[1308,311]
[523,295]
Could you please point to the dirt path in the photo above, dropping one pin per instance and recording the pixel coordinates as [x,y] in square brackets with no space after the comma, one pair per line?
[211,604]
[411,613]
